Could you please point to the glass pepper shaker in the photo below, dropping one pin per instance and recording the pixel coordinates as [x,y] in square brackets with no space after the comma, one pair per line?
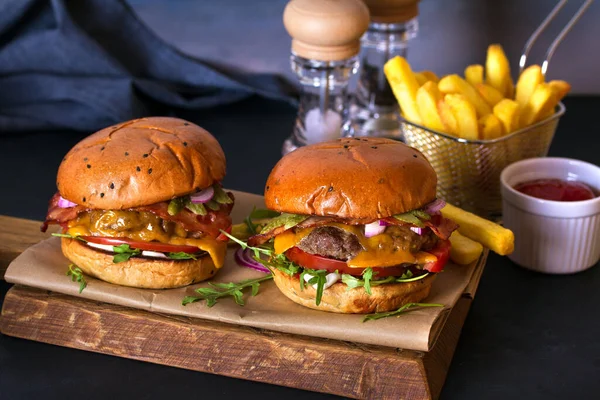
[325,46]
[374,108]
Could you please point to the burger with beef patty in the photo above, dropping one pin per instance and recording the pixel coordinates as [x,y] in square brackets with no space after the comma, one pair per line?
[140,204]
[360,229]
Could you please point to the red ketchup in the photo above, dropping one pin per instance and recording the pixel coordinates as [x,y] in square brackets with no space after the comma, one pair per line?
[556,189]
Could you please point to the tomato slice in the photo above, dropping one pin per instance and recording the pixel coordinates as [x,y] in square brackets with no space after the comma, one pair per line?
[222,237]
[149,246]
[442,252]
[313,261]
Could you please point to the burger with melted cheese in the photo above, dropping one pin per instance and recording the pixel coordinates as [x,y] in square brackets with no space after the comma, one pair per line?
[360,229]
[140,204]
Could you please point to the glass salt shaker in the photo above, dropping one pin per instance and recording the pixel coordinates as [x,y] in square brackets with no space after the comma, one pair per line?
[325,46]
[374,109]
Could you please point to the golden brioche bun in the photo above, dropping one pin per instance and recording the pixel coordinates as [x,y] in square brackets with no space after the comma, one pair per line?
[338,299]
[140,162]
[351,178]
[148,273]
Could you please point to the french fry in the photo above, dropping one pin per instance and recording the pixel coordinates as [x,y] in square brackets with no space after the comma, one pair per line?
[490,127]
[430,75]
[491,95]
[465,115]
[496,238]
[528,80]
[561,88]
[507,112]
[474,74]
[455,84]
[404,85]
[464,250]
[447,117]
[426,76]
[541,103]
[497,70]
[428,96]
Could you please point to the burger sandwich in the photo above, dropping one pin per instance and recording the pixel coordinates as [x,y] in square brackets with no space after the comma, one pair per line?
[140,204]
[360,229]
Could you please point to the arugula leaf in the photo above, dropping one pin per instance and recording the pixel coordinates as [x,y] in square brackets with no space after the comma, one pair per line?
[181,256]
[318,277]
[410,278]
[367,275]
[66,235]
[249,223]
[76,275]
[286,220]
[196,208]
[220,195]
[123,253]
[219,290]
[405,308]
[176,205]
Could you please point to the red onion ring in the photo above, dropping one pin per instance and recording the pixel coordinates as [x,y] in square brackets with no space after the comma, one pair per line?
[64,203]
[203,196]
[373,229]
[417,230]
[435,206]
[245,258]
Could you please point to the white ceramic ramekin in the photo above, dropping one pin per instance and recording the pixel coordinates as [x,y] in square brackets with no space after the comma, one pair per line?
[555,237]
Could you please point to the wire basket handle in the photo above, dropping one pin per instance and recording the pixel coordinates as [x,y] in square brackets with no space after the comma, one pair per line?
[550,52]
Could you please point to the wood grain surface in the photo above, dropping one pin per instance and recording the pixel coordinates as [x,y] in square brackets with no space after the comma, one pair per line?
[16,235]
[322,365]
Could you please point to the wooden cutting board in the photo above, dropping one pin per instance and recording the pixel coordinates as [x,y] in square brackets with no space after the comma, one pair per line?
[303,362]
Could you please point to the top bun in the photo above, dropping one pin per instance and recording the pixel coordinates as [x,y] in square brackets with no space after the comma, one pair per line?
[140,162]
[351,178]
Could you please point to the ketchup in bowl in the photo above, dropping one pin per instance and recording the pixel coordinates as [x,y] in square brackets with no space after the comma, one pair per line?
[556,190]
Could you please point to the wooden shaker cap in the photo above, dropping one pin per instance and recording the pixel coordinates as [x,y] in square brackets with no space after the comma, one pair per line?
[326,30]
[392,11]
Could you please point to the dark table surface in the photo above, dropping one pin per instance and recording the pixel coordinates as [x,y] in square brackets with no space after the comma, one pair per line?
[527,335]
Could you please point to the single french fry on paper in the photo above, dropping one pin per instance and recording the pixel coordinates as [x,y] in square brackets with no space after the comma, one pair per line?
[454,84]
[497,70]
[464,250]
[404,85]
[426,76]
[428,97]
[540,104]
[507,112]
[528,81]
[561,88]
[448,119]
[491,95]
[465,115]
[474,74]
[493,236]
[490,127]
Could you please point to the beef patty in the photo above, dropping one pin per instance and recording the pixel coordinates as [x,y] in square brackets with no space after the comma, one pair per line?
[332,242]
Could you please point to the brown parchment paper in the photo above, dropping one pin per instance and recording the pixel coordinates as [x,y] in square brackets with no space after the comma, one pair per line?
[43,266]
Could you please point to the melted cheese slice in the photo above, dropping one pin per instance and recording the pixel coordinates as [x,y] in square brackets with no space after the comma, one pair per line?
[379,250]
[216,249]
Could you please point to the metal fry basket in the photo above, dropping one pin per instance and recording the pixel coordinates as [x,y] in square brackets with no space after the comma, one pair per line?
[469,170]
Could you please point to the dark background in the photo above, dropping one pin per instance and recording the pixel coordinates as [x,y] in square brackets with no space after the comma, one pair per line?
[527,335]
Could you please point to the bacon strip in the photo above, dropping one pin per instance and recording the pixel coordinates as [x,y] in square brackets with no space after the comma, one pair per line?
[211,223]
[442,227]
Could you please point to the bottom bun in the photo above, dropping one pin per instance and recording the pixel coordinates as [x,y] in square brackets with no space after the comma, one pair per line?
[337,298]
[138,271]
